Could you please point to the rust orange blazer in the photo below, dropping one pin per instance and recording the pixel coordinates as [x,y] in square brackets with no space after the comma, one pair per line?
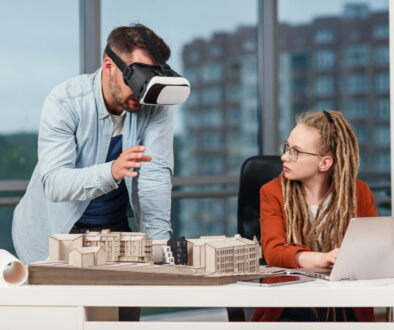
[277,252]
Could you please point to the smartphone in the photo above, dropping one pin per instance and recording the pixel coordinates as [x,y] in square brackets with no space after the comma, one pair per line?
[279,280]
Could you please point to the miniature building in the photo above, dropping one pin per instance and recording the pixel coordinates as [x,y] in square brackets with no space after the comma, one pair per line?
[207,254]
[157,250]
[220,254]
[179,250]
[87,256]
[60,245]
[121,246]
[167,255]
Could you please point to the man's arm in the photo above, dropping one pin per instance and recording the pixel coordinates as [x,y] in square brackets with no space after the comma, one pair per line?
[57,152]
[154,179]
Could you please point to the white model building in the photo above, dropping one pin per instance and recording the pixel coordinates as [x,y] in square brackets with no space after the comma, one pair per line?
[157,249]
[221,254]
[207,254]
[121,246]
[60,245]
[118,246]
[87,256]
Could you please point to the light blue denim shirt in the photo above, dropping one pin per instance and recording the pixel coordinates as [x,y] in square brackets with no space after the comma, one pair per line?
[74,137]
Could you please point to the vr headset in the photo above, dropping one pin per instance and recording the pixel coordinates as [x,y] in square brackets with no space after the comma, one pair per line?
[152,84]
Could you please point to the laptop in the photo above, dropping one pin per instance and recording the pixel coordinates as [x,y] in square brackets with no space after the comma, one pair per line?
[367,252]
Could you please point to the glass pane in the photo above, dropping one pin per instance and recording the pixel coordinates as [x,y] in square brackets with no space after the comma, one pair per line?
[216,129]
[40,49]
[334,55]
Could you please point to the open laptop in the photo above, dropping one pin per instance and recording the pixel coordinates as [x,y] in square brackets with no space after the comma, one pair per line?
[367,252]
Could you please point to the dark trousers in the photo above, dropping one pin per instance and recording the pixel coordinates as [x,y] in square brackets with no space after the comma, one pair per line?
[125,313]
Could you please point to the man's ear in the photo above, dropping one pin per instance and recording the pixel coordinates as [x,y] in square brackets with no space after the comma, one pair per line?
[326,163]
[108,67]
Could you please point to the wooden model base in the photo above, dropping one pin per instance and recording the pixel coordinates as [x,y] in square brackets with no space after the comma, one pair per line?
[50,273]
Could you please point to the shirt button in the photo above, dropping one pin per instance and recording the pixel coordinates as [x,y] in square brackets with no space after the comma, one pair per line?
[78,213]
[106,137]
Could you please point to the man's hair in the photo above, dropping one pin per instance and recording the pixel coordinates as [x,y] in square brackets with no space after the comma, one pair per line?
[123,40]
[338,139]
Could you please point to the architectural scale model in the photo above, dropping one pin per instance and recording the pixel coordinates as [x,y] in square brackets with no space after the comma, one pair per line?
[118,246]
[204,255]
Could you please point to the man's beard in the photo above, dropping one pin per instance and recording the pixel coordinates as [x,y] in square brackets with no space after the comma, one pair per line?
[115,88]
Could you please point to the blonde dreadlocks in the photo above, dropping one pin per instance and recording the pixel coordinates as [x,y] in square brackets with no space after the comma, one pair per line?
[338,139]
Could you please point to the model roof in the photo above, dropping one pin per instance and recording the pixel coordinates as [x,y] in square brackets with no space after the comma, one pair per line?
[66,237]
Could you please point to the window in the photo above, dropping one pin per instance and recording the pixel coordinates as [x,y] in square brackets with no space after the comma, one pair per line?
[234,93]
[355,55]
[211,140]
[211,95]
[324,59]
[249,45]
[382,109]
[381,56]
[233,70]
[356,83]
[194,56]
[193,76]
[350,44]
[355,109]
[361,133]
[324,36]
[216,51]
[324,85]
[382,162]
[381,31]
[235,116]
[210,117]
[299,60]
[214,56]
[382,136]
[193,98]
[382,83]
[211,72]
[41,49]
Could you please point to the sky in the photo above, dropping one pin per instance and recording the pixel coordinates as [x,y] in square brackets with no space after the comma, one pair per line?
[40,44]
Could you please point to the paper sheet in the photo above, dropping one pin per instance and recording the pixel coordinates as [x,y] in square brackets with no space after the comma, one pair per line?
[12,271]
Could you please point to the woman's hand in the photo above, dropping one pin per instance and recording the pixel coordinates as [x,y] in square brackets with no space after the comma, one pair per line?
[306,259]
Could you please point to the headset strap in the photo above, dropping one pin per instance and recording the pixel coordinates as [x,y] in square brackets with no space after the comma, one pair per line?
[155,51]
[121,65]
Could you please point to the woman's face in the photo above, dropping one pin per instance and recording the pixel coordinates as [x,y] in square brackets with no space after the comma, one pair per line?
[303,139]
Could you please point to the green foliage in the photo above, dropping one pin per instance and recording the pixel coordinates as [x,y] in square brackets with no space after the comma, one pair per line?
[18,159]
[18,156]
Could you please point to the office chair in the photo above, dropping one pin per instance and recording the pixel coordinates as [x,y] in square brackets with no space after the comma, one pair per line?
[255,172]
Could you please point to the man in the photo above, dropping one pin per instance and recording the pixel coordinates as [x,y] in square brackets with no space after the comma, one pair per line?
[92,168]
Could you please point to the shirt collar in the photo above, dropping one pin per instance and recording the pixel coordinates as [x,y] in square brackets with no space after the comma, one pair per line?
[98,95]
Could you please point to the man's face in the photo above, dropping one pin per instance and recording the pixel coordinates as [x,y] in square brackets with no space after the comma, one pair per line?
[122,94]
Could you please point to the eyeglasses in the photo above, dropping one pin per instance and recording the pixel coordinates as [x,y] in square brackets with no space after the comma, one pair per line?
[293,153]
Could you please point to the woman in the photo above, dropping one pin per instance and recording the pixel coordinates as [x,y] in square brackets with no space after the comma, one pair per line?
[305,212]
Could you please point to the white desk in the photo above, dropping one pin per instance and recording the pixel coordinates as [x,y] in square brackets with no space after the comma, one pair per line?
[63,307]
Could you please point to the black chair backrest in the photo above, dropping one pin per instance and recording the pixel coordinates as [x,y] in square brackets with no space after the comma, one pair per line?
[255,172]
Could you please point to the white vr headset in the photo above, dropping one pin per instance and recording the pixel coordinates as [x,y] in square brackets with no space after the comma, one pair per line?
[152,84]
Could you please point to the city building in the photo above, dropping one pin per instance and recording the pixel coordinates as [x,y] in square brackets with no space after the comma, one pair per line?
[333,62]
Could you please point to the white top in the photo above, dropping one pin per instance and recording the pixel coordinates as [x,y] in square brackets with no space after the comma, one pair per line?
[118,123]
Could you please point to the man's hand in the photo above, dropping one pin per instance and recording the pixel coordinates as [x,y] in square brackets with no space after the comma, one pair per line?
[129,158]
[306,259]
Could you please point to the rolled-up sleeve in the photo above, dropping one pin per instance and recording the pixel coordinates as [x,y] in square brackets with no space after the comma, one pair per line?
[154,180]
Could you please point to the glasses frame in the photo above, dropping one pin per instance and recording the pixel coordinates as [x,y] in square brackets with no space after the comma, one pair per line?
[296,152]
